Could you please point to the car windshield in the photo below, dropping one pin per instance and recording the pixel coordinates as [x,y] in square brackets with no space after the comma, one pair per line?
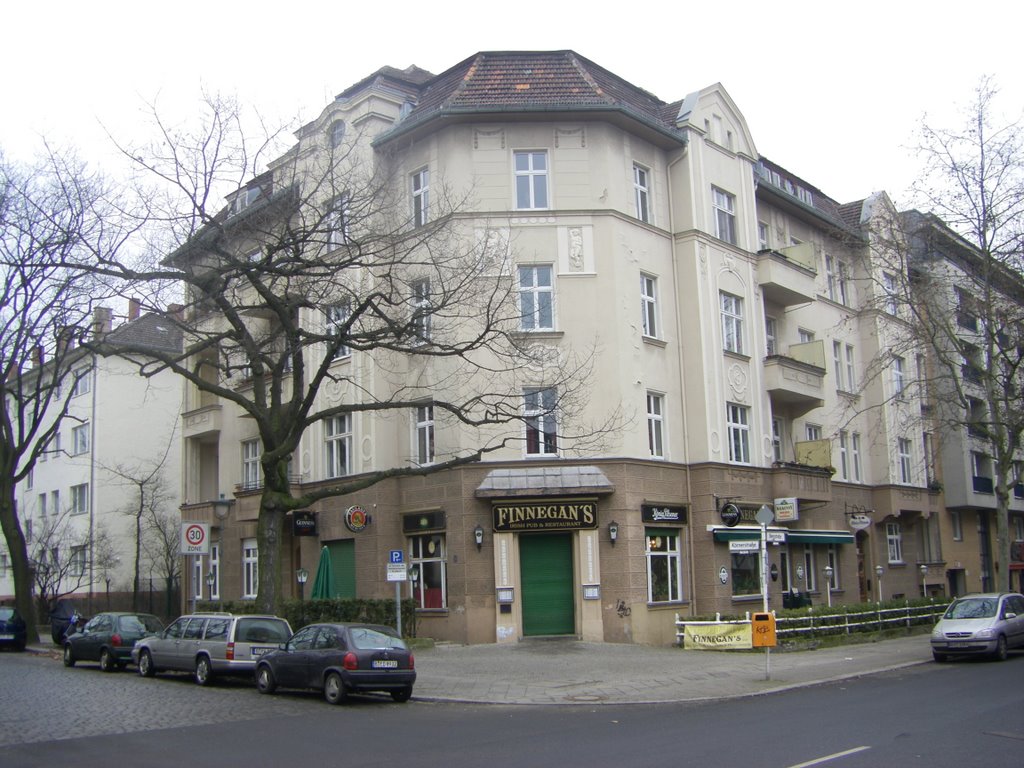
[6,613]
[980,608]
[365,638]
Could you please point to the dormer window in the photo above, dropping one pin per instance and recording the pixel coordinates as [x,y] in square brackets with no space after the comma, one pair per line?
[336,133]
[244,199]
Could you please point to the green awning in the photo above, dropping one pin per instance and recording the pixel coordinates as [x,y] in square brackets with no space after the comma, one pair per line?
[737,534]
[819,537]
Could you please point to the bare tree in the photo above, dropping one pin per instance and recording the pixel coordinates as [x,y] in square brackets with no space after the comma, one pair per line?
[46,214]
[60,554]
[161,544]
[952,274]
[315,261]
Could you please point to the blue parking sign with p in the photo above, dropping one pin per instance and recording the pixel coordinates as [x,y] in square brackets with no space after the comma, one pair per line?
[397,556]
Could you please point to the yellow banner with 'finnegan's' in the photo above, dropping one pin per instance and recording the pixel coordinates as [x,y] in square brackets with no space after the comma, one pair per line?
[717,637]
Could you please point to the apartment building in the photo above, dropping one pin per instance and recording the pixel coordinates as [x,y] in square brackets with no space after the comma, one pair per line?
[79,505]
[740,320]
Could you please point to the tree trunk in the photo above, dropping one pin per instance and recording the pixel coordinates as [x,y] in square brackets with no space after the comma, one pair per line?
[20,566]
[270,530]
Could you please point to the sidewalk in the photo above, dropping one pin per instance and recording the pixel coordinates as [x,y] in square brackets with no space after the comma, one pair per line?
[564,671]
[572,672]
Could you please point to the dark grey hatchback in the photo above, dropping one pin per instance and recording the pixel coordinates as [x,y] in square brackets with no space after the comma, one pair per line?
[339,659]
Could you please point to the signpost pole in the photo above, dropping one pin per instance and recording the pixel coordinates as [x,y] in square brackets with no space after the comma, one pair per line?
[398,605]
[764,516]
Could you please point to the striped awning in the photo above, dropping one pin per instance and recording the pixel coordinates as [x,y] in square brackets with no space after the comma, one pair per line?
[804,536]
[819,537]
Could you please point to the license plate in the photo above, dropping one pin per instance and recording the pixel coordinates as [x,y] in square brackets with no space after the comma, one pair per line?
[5,636]
[259,650]
[959,644]
[385,664]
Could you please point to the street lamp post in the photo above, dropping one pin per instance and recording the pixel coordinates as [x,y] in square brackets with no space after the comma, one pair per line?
[879,570]
[210,579]
[828,583]
[924,580]
[301,576]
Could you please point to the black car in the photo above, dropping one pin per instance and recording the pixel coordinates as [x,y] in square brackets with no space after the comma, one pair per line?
[339,659]
[108,638]
[13,629]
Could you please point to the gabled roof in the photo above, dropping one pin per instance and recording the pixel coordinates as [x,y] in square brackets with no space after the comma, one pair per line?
[533,81]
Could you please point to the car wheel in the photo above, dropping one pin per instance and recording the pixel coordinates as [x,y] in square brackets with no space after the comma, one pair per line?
[1000,652]
[107,663]
[402,695]
[265,682]
[939,657]
[334,688]
[69,656]
[204,674]
[146,668]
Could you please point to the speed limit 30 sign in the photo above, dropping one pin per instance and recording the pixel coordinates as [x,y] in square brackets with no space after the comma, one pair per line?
[195,538]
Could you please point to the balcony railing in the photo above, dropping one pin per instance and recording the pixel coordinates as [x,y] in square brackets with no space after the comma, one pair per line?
[982,484]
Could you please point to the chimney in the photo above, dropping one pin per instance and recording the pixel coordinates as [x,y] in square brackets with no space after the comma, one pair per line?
[133,309]
[102,321]
[38,356]
[65,341]
[177,311]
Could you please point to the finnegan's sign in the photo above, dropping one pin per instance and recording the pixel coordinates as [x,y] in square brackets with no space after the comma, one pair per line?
[547,515]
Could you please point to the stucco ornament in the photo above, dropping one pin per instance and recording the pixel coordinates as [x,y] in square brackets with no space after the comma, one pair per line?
[738,380]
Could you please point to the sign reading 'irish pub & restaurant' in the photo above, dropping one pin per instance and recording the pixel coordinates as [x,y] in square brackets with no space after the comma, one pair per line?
[545,515]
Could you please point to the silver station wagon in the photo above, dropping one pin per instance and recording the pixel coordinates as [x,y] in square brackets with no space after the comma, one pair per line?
[210,645]
[983,625]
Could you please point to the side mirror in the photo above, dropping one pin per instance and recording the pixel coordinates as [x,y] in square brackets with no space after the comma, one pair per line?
[1009,615]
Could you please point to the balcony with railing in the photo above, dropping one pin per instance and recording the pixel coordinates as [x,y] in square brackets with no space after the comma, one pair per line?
[787,275]
[796,380]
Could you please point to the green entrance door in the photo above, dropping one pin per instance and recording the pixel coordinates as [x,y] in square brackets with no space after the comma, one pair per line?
[343,567]
[545,564]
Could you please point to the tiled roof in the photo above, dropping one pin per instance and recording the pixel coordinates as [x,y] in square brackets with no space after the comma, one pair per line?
[153,331]
[535,81]
[554,480]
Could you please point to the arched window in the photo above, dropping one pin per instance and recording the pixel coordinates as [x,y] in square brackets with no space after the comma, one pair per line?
[336,133]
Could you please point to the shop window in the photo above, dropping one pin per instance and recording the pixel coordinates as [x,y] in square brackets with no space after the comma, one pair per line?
[745,578]
[427,554]
[664,566]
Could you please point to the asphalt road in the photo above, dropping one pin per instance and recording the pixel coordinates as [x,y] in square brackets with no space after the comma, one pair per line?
[952,715]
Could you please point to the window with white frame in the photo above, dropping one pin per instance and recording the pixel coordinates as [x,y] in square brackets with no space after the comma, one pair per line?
[531,176]
[844,455]
[725,215]
[427,553]
[55,502]
[649,305]
[338,445]
[337,317]
[805,335]
[812,431]
[732,322]
[958,525]
[76,564]
[420,197]
[30,478]
[903,453]
[770,335]
[339,217]
[250,569]
[424,434]
[251,464]
[810,573]
[838,278]
[83,382]
[889,286]
[541,421]
[745,578]
[42,504]
[777,439]
[80,439]
[536,297]
[738,426]
[855,456]
[336,133]
[894,542]
[664,565]
[80,499]
[837,358]
[422,311]
[215,570]
[833,563]
[1018,528]
[851,371]
[656,424]
[898,376]
[762,236]
[642,192]
[198,578]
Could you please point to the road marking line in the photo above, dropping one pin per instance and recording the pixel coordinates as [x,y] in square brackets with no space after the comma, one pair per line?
[826,758]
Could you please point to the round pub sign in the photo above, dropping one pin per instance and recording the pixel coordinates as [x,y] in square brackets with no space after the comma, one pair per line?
[356,518]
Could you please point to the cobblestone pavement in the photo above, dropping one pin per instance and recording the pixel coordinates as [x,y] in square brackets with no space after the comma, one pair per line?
[43,700]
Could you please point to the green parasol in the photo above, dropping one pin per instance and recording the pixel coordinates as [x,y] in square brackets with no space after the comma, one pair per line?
[323,585]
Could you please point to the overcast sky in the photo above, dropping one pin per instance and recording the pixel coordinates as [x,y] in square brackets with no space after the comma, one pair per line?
[832,91]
